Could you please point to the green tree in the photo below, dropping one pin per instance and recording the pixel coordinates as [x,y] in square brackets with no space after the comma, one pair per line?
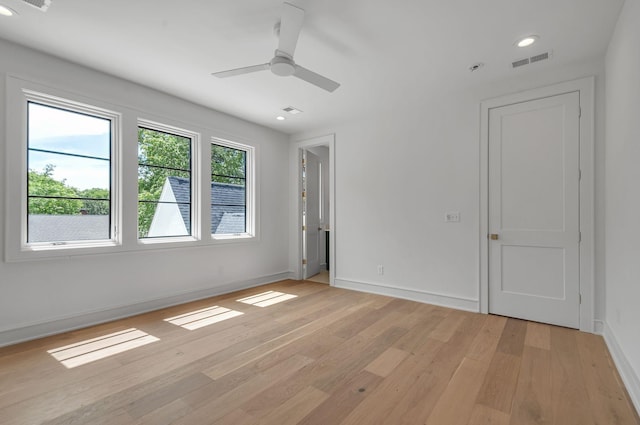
[93,207]
[227,163]
[43,184]
[160,155]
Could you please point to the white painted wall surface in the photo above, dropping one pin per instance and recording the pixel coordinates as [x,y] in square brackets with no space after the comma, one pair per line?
[100,287]
[398,172]
[623,196]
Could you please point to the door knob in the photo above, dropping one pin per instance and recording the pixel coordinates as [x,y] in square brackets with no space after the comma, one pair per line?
[493,236]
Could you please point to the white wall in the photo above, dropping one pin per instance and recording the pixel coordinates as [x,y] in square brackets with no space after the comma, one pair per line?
[623,197]
[398,172]
[39,297]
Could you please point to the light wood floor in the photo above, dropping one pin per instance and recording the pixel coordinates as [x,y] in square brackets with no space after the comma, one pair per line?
[326,357]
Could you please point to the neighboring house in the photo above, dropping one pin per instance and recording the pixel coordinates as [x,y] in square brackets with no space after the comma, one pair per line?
[173,214]
[60,228]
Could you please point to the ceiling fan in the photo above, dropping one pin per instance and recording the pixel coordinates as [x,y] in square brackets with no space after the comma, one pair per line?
[282,63]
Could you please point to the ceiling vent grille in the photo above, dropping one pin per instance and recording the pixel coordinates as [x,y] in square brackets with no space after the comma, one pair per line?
[521,62]
[39,4]
[292,110]
[533,59]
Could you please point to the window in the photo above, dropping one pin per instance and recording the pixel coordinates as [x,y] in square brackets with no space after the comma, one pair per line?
[165,183]
[69,173]
[231,189]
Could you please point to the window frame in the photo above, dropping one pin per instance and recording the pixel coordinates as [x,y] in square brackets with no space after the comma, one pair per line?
[194,182]
[250,192]
[64,103]
[124,173]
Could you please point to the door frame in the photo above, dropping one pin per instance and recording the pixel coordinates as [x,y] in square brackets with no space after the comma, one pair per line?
[296,253]
[585,88]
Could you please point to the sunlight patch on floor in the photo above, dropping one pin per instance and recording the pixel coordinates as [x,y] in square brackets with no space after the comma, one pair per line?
[98,348]
[267,298]
[204,317]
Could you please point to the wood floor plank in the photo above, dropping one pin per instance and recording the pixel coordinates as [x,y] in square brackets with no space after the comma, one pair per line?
[447,327]
[483,415]
[512,339]
[386,362]
[500,383]
[164,415]
[344,399]
[569,395]
[305,360]
[296,408]
[485,343]
[607,399]
[455,405]
[532,399]
[413,372]
[538,335]
[210,410]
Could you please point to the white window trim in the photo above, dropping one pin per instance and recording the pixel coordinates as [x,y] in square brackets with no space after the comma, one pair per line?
[124,177]
[251,192]
[196,179]
[17,245]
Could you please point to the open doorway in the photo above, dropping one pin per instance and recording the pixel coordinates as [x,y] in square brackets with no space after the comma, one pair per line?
[315,222]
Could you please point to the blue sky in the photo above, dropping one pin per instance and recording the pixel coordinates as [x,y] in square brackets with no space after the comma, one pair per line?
[64,131]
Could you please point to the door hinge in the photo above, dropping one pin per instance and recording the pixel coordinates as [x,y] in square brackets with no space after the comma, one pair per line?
[304,262]
[304,228]
[579,174]
[579,237]
[580,298]
[579,112]
[304,194]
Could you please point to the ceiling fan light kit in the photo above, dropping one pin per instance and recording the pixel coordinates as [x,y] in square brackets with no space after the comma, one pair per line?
[282,63]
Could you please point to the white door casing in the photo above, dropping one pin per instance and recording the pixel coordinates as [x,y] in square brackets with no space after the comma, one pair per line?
[311,213]
[534,210]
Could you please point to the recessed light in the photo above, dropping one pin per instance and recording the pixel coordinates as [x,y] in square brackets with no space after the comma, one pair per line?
[280,118]
[5,11]
[527,41]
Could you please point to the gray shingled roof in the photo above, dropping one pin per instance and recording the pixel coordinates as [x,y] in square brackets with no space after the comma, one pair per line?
[61,228]
[227,209]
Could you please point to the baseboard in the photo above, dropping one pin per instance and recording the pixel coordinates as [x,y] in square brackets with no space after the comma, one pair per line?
[598,327]
[443,300]
[630,379]
[64,324]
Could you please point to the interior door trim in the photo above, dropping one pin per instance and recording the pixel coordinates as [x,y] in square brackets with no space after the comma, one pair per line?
[585,88]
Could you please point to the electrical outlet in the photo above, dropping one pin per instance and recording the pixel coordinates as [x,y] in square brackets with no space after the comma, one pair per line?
[380,269]
[452,217]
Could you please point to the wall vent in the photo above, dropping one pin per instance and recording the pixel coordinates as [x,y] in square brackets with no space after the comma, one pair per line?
[532,59]
[39,4]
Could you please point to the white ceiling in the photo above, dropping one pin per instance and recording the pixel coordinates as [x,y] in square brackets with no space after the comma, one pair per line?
[386,54]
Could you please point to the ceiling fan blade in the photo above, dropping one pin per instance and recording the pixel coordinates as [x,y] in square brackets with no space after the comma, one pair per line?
[240,71]
[315,79]
[290,26]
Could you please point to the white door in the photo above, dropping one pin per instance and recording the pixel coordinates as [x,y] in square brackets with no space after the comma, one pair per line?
[534,210]
[311,213]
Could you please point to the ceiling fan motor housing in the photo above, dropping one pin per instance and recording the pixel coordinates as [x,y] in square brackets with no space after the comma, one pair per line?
[282,66]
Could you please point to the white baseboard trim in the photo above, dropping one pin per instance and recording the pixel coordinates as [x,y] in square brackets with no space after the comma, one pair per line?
[442,300]
[598,327]
[630,379]
[64,324]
